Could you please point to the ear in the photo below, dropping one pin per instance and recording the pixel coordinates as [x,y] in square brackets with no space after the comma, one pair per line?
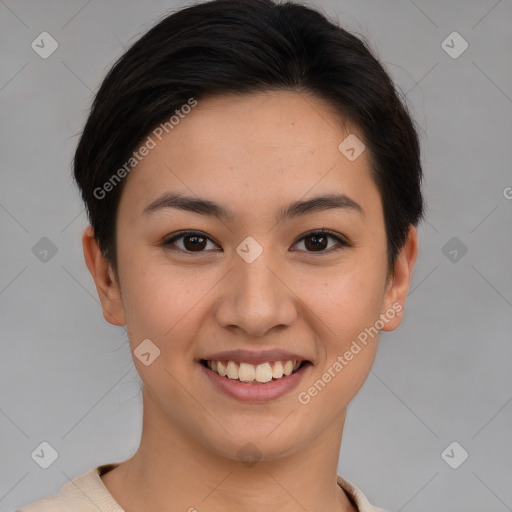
[107,286]
[398,285]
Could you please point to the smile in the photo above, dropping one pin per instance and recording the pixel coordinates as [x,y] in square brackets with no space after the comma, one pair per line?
[259,385]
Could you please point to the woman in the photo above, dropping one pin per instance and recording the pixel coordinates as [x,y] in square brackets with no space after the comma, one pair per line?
[253,185]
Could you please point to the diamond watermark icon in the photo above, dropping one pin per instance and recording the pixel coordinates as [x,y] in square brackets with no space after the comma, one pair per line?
[454,45]
[351,147]
[454,455]
[454,249]
[44,45]
[249,454]
[44,455]
[44,250]
[249,249]
[146,352]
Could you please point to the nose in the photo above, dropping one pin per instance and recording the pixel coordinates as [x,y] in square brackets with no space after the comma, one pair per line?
[257,297]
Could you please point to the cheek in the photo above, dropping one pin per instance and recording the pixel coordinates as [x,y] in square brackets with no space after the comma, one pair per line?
[348,298]
[159,306]
[156,299]
[348,306]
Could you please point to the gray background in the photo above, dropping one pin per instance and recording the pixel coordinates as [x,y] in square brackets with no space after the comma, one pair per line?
[445,375]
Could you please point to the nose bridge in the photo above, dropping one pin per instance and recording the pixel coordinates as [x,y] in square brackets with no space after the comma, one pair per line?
[256,284]
[256,299]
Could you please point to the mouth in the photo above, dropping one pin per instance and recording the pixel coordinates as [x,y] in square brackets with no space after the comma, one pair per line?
[256,374]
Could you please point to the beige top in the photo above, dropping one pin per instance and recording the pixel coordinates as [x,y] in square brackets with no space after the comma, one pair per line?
[87,493]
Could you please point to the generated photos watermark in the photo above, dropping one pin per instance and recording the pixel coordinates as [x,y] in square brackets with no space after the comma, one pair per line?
[342,360]
[144,149]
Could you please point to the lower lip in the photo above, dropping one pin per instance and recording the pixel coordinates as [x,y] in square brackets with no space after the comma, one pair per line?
[255,392]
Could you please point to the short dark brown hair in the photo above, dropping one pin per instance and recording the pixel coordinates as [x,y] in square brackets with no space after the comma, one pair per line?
[234,46]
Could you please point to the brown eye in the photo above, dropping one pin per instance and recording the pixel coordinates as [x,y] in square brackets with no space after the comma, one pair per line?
[192,241]
[318,241]
[197,242]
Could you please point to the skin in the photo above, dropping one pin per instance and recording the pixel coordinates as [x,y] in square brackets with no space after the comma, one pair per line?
[229,149]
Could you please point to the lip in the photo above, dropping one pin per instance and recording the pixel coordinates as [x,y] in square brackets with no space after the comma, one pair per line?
[255,393]
[253,357]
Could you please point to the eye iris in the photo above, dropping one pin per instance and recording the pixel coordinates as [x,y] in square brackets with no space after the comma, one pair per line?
[195,245]
[316,244]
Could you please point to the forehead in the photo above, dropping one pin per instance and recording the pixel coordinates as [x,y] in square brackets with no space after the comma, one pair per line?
[250,150]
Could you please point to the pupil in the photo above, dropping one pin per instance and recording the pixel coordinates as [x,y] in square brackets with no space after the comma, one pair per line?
[316,238]
[194,244]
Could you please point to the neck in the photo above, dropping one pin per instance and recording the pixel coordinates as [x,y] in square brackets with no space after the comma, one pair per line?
[172,471]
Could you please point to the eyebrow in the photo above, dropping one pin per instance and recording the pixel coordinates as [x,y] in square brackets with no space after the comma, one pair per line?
[210,208]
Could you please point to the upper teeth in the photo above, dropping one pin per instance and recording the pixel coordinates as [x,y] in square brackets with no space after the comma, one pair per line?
[246,372]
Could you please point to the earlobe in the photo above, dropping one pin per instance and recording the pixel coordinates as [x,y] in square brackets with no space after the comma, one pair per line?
[398,286]
[104,279]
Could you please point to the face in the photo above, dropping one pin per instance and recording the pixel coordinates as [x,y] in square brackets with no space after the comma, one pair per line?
[254,286]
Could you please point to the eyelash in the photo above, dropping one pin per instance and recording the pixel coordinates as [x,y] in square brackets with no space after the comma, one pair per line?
[324,232]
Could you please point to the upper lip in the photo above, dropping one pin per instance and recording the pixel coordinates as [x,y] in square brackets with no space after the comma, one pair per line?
[254,357]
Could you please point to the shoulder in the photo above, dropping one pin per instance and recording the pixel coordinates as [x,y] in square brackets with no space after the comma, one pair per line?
[359,499]
[85,493]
